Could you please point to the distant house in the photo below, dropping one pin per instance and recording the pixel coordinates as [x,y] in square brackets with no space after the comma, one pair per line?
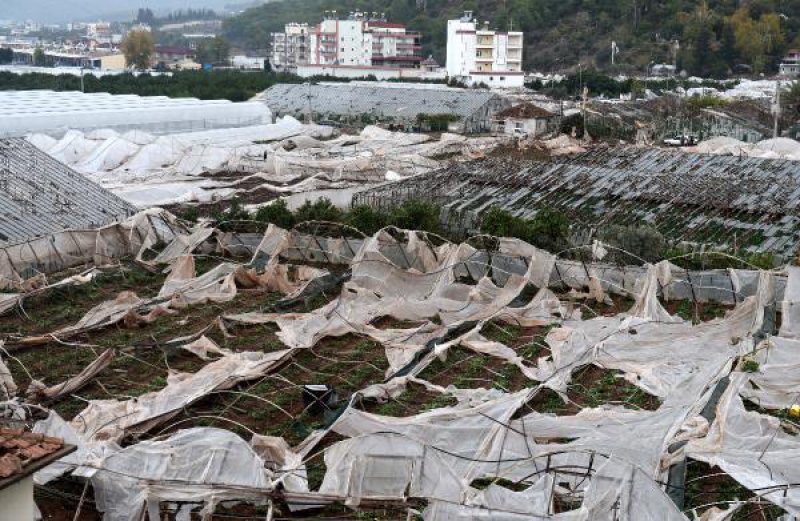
[173,57]
[790,66]
[430,65]
[21,454]
[662,70]
[525,120]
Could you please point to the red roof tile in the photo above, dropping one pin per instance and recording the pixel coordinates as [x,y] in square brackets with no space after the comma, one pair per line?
[21,450]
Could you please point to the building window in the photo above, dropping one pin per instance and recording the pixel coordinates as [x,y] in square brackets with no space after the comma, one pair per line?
[502,78]
[491,78]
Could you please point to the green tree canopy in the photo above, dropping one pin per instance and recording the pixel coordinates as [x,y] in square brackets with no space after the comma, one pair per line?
[138,48]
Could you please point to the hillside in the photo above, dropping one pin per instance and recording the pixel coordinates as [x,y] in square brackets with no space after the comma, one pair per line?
[714,37]
[59,11]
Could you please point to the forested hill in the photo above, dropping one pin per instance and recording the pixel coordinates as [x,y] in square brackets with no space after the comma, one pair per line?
[714,36]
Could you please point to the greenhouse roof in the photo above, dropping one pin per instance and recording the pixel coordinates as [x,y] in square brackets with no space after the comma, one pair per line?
[39,196]
[723,201]
[384,101]
[24,112]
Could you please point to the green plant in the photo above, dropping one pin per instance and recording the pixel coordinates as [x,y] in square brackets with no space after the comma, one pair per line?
[638,243]
[416,215]
[749,365]
[366,219]
[548,230]
[320,210]
[277,213]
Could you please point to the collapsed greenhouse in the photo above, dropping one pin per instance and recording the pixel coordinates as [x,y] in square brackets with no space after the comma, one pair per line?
[316,372]
[733,203]
[253,163]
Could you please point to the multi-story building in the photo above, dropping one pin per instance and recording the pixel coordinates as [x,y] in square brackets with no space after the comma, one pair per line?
[289,48]
[345,46]
[790,65]
[478,55]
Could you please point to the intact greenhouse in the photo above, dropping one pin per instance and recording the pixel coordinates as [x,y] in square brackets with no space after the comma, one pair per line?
[45,111]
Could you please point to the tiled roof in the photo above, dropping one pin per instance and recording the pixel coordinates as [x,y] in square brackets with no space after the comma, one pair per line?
[23,452]
[525,111]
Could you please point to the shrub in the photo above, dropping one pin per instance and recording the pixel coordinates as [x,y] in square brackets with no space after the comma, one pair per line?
[707,102]
[235,212]
[548,230]
[277,213]
[416,215]
[641,242]
[320,210]
[366,219]
[191,214]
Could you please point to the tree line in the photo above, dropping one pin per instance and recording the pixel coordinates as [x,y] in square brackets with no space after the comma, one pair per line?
[217,84]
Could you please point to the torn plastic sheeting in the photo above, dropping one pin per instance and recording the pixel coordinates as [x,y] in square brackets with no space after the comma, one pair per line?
[203,465]
[39,391]
[123,308]
[111,419]
[285,464]
[203,347]
[457,438]
[776,383]
[752,448]
[386,465]
[497,503]
[183,288]
[790,305]
[70,248]
[183,245]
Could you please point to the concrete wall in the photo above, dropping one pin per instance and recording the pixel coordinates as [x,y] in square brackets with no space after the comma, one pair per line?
[532,126]
[16,501]
[113,62]
[382,73]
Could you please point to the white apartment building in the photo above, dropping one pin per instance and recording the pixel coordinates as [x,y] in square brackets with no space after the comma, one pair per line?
[289,48]
[478,55]
[357,45]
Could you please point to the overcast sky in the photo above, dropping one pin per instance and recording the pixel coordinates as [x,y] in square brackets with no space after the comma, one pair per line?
[58,11]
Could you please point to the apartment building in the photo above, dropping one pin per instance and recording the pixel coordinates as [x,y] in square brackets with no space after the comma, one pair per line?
[478,55]
[354,45]
[290,48]
[790,65]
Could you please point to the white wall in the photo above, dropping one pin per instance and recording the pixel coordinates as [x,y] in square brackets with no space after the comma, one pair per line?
[16,501]
[460,48]
[382,73]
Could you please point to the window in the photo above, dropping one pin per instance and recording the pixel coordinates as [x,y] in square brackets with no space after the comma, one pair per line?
[491,78]
[342,49]
[502,78]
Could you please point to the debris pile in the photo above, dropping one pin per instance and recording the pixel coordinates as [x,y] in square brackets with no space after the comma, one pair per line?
[400,374]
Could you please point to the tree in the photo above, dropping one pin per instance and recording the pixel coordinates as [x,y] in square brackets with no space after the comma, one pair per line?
[39,58]
[755,39]
[145,16]
[6,55]
[216,51]
[138,47]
